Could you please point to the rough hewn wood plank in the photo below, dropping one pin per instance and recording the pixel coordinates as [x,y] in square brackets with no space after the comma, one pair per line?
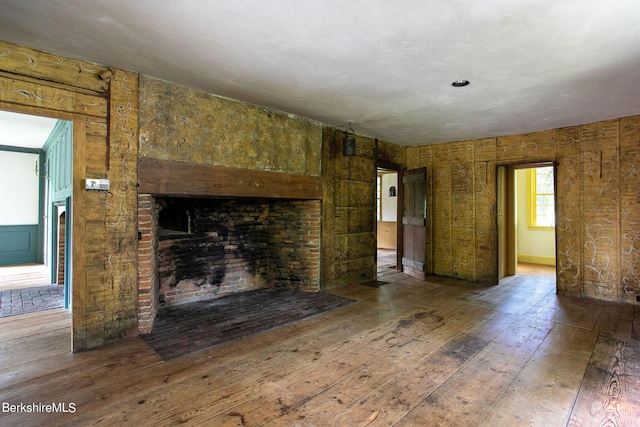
[392,401]
[187,125]
[18,91]
[331,388]
[21,60]
[545,390]
[635,328]
[312,340]
[168,178]
[475,388]
[610,392]
[430,348]
[78,255]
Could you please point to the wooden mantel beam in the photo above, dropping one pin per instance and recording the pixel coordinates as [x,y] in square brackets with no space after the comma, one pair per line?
[171,178]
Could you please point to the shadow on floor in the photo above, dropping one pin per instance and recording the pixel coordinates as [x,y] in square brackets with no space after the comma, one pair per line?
[186,328]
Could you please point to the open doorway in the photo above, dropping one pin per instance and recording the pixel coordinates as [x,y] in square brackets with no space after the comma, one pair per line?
[35,186]
[526,220]
[386,220]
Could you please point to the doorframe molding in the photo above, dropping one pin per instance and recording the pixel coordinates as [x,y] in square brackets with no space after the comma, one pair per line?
[398,169]
[507,262]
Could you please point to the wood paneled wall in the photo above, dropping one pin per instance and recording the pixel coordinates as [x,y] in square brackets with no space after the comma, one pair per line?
[104,113]
[348,211]
[182,125]
[349,206]
[185,125]
[598,194]
[598,215]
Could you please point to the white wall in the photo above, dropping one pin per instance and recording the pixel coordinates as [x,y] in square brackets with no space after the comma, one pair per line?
[18,188]
[389,204]
[534,244]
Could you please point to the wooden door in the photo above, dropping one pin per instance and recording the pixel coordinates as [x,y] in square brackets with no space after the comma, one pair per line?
[414,218]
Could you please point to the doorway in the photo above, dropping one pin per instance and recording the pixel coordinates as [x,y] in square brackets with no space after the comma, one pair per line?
[386,220]
[526,208]
[30,151]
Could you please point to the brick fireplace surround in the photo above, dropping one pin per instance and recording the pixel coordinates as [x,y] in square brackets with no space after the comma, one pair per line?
[227,246]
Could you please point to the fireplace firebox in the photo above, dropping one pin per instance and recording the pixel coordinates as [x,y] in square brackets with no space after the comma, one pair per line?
[194,248]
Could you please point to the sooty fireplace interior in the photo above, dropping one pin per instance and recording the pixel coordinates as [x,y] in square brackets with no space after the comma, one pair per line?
[200,248]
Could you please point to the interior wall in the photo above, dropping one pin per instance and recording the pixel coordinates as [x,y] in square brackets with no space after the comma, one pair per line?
[387,235]
[104,111]
[534,245]
[387,231]
[348,211]
[389,203]
[186,126]
[349,204]
[597,184]
[598,206]
[20,190]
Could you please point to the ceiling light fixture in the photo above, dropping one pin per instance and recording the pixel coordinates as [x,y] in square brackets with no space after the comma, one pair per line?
[349,142]
[460,83]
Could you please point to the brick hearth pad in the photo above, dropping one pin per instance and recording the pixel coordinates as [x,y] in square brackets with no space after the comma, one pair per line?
[28,300]
[191,327]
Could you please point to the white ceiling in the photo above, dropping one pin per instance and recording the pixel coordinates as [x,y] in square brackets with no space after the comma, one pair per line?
[21,130]
[386,66]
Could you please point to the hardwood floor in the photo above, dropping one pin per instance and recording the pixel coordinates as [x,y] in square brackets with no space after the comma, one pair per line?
[386,259]
[528,269]
[24,276]
[409,353]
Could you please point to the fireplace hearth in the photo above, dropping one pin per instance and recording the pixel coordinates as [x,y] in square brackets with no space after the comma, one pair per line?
[194,249]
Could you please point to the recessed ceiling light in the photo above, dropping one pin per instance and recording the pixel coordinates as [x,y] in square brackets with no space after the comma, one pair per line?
[403,45]
[460,83]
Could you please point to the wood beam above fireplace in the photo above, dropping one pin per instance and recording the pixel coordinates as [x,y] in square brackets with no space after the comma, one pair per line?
[171,178]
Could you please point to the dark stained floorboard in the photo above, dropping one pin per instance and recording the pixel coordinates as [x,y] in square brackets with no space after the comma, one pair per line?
[186,328]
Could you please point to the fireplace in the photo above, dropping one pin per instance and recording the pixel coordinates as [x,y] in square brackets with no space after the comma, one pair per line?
[206,231]
[200,248]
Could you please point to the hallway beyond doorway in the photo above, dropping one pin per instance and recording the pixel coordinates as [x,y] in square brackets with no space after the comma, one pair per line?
[24,276]
[27,289]
[528,269]
[386,258]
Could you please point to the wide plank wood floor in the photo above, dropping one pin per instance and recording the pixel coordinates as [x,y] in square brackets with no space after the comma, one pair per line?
[24,276]
[409,353]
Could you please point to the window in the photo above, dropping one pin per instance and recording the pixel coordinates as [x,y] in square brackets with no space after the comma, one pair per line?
[542,209]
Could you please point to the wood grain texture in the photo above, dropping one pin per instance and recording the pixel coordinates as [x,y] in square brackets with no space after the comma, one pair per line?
[187,125]
[348,211]
[105,141]
[409,353]
[170,178]
[610,392]
[596,195]
[52,68]
[42,95]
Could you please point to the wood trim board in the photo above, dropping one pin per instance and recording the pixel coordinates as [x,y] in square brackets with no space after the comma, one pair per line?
[171,178]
